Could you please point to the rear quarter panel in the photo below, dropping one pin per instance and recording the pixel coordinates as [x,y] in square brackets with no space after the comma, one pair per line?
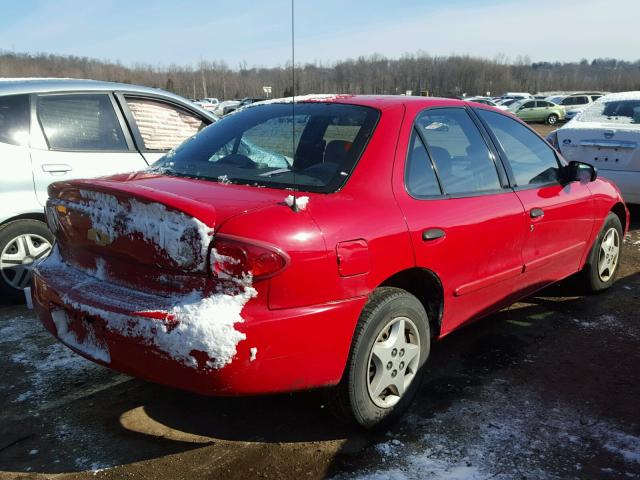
[364,210]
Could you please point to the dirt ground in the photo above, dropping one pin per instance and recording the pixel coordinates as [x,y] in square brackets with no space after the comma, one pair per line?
[549,388]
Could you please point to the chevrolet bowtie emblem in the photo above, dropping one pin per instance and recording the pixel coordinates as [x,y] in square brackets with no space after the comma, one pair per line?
[99,237]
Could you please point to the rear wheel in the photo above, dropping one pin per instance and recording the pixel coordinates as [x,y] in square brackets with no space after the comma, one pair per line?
[22,242]
[390,345]
[604,259]
[552,119]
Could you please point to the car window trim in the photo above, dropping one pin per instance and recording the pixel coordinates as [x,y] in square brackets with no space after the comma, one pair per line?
[443,193]
[416,130]
[121,98]
[503,155]
[128,140]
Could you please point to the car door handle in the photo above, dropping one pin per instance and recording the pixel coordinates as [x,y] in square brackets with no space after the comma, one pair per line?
[56,167]
[536,213]
[432,234]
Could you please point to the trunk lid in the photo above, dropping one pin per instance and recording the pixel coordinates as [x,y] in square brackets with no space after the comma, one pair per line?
[603,145]
[145,228]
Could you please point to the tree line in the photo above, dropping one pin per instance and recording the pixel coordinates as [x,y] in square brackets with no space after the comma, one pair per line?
[419,72]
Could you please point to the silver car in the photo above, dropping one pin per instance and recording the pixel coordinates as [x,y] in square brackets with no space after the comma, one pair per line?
[59,129]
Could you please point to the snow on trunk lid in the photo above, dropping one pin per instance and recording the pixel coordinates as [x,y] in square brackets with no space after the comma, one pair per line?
[118,224]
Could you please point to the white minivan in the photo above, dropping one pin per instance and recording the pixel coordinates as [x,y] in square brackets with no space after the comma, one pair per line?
[59,129]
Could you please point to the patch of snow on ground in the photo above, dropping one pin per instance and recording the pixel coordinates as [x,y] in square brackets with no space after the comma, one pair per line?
[495,437]
[610,323]
[44,360]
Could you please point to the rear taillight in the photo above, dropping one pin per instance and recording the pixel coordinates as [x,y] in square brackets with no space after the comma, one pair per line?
[237,257]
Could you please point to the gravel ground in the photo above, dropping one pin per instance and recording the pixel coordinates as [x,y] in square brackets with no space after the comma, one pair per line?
[546,389]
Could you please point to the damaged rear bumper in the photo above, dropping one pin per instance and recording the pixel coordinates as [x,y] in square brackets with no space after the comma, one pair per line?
[282,350]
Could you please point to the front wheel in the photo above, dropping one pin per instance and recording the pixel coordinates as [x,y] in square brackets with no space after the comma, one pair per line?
[604,259]
[552,119]
[22,242]
[390,345]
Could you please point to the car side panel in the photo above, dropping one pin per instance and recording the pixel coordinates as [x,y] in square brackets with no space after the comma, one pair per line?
[16,195]
[480,259]
[557,241]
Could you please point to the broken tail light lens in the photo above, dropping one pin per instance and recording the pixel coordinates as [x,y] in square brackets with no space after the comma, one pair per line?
[237,257]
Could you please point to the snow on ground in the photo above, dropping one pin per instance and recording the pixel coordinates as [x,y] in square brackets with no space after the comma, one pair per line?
[501,436]
[609,322]
[46,363]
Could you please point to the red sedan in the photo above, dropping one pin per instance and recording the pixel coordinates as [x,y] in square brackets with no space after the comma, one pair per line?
[320,244]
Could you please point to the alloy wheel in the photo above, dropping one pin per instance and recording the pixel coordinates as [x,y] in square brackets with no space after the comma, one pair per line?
[609,254]
[18,257]
[393,362]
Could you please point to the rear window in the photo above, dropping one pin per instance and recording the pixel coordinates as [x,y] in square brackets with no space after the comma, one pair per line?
[613,111]
[314,150]
[14,119]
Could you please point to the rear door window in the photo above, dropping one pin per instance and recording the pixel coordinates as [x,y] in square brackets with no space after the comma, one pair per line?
[14,119]
[463,161]
[420,177]
[532,160]
[85,122]
[163,126]
[582,100]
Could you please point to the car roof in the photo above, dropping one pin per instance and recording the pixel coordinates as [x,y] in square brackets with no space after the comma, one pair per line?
[380,102]
[16,86]
[40,85]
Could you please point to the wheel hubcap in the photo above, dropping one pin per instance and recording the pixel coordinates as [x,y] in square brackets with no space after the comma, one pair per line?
[393,362]
[608,255]
[18,256]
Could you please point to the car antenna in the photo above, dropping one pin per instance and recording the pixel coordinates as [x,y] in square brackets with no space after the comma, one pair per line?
[294,203]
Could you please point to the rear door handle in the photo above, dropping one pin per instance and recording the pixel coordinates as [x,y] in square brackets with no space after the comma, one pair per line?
[432,234]
[536,213]
[56,167]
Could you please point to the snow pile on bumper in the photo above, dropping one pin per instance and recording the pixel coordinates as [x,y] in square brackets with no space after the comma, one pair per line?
[195,329]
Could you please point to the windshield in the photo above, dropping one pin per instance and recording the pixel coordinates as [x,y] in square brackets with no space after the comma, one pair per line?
[257,146]
[623,112]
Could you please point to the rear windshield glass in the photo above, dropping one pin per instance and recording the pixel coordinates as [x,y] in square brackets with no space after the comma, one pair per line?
[613,111]
[265,145]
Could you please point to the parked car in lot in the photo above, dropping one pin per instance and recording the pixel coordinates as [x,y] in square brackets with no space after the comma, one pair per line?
[576,101]
[505,103]
[242,103]
[400,220]
[538,111]
[607,135]
[483,100]
[222,106]
[207,104]
[57,129]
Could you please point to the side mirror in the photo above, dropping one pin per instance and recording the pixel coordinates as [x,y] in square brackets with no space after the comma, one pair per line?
[580,172]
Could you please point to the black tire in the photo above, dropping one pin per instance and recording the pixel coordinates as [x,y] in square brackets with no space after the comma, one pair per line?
[8,233]
[591,278]
[350,399]
[552,119]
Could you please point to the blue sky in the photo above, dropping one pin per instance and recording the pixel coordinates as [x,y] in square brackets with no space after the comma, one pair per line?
[258,32]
